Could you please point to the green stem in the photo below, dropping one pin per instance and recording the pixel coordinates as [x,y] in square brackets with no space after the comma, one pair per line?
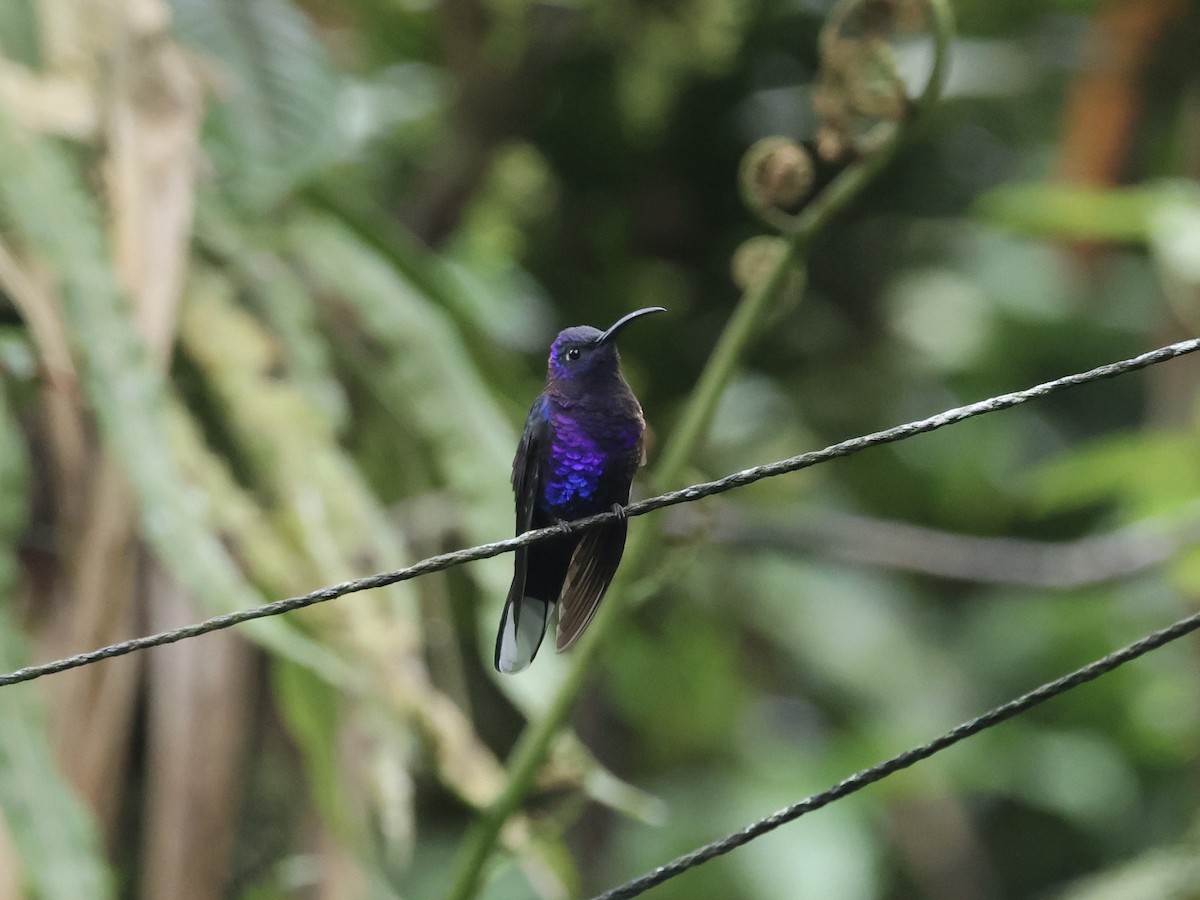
[747,317]
[755,303]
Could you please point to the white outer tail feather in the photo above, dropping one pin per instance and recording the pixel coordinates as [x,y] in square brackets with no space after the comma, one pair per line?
[521,633]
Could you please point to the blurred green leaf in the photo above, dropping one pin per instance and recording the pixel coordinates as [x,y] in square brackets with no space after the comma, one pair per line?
[42,196]
[281,299]
[19,38]
[651,673]
[57,841]
[339,529]
[505,309]
[274,124]
[421,371]
[1064,211]
[270,562]
[1166,873]
[661,49]
[1149,473]
[311,710]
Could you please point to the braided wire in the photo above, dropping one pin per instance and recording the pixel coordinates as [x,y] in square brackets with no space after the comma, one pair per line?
[685,495]
[866,777]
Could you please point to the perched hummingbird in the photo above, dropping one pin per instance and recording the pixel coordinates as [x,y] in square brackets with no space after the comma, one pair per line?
[581,447]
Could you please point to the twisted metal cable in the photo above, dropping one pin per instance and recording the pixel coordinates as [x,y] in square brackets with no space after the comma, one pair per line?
[865,777]
[686,495]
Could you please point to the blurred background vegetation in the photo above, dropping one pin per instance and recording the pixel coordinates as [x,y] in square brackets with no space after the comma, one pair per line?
[276,282]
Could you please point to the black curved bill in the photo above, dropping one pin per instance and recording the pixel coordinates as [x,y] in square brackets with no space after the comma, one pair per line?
[625,320]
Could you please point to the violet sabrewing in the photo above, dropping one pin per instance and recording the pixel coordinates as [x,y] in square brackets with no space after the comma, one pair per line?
[581,447]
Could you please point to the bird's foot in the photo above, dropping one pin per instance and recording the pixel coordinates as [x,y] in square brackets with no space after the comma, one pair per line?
[562,526]
[618,510]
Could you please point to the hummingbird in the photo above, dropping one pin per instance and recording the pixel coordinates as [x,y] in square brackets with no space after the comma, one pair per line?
[582,444]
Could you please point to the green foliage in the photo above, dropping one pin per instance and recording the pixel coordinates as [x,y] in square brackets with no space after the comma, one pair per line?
[37,185]
[649,672]
[1147,474]
[57,841]
[423,373]
[310,708]
[19,38]
[275,123]
[1080,213]
[661,48]
[348,383]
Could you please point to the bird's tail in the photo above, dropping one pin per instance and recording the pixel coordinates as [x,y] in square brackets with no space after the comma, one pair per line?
[522,627]
[538,575]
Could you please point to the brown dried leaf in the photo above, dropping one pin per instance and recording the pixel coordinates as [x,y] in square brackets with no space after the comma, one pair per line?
[198,713]
[153,149]
[92,708]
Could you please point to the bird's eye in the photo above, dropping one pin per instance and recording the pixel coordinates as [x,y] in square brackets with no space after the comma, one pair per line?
[573,354]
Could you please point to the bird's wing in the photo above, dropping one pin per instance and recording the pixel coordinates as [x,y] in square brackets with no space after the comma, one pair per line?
[528,463]
[592,569]
[523,622]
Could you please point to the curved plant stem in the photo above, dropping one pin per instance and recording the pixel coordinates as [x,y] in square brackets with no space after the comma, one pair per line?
[530,752]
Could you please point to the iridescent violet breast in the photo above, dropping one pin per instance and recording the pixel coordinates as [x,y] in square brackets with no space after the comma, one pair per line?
[576,464]
[580,457]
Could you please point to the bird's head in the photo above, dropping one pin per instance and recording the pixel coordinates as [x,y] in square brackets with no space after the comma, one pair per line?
[583,352]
